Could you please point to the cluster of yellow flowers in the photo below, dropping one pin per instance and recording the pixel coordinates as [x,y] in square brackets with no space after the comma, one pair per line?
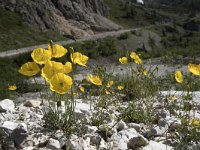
[96,80]
[193,68]
[134,56]
[136,59]
[55,73]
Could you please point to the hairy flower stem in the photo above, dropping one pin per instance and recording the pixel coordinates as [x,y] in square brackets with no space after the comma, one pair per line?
[73,102]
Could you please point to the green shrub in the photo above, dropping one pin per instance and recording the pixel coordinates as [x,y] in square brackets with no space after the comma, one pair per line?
[107,47]
[132,114]
[103,47]
[123,36]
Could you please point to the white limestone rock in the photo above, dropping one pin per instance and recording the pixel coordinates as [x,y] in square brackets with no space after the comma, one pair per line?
[8,126]
[32,103]
[77,143]
[107,130]
[136,126]
[140,2]
[59,134]
[39,138]
[173,122]
[17,131]
[53,144]
[96,140]
[121,125]
[28,148]
[157,131]
[7,105]
[82,109]
[128,138]
[103,145]
[91,129]
[156,146]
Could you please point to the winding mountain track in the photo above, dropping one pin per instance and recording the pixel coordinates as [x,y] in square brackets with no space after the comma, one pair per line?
[15,52]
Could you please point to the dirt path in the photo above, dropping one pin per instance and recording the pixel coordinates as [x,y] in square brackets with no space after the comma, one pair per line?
[160,69]
[19,51]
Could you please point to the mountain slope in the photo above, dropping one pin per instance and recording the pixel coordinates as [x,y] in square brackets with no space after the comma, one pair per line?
[14,33]
[76,17]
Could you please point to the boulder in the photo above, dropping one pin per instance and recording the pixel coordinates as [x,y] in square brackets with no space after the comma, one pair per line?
[128,138]
[16,131]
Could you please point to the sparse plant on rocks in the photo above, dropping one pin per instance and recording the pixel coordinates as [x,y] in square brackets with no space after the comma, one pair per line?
[128,108]
[61,85]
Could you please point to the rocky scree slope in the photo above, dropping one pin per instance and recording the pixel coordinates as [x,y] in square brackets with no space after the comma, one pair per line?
[76,17]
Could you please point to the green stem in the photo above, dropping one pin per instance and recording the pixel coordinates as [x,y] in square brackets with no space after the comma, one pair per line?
[39,92]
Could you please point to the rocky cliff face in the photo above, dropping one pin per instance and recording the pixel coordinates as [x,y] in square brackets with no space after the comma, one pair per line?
[76,17]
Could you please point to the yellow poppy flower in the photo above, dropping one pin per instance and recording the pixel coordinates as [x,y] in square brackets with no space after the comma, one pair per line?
[78,58]
[57,51]
[60,83]
[51,68]
[95,79]
[120,87]
[41,56]
[123,60]
[107,92]
[68,67]
[110,83]
[145,72]
[138,61]
[195,69]
[29,69]
[195,123]
[82,89]
[12,87]
[179,76]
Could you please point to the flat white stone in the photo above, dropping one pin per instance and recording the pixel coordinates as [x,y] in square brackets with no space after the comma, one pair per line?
[53,144]
[9,125]
[156,146]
